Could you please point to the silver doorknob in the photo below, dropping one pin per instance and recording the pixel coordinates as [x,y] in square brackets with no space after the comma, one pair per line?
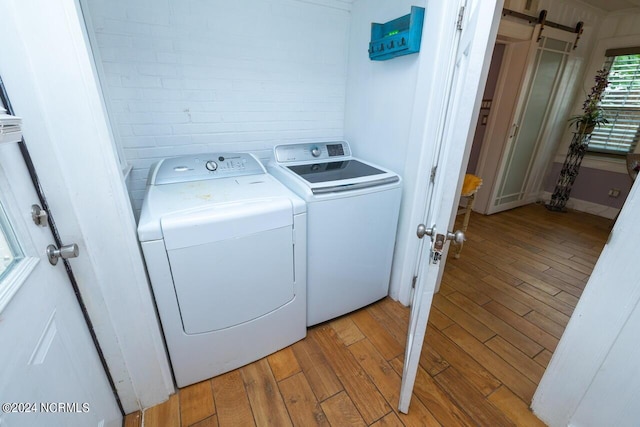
[457,236]
[424,231]
[65,252]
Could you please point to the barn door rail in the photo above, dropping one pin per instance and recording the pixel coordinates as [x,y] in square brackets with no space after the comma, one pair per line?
[542,20]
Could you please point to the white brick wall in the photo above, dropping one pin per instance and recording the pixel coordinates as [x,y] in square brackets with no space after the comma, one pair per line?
[190,76]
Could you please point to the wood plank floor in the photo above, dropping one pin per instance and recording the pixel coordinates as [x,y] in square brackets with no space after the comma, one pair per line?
[494,325]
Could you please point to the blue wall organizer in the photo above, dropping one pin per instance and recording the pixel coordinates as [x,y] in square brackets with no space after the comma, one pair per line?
[398,37]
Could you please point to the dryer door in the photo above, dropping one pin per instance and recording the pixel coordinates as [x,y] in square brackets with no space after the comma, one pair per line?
[231,263]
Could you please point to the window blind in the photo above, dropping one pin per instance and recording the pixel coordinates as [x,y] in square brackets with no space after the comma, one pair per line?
[621,105]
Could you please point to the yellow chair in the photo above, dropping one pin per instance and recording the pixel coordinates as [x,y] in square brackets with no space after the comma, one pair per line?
[469,189]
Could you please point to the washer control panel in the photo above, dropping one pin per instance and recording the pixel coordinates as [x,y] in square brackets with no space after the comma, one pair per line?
[199,167]
[290,153]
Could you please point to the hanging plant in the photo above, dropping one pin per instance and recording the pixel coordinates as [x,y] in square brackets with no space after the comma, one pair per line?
[593,114]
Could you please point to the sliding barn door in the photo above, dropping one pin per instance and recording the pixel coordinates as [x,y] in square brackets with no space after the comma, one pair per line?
[522,161]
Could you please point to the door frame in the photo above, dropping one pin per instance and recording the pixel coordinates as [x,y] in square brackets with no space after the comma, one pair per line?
[69,137]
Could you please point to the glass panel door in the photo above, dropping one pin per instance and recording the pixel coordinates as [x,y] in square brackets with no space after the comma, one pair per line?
[526,138]
[10,251]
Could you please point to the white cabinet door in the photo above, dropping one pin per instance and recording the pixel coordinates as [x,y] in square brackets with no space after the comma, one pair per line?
[51,373]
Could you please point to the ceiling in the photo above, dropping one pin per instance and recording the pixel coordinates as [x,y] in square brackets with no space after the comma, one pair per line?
[613,5]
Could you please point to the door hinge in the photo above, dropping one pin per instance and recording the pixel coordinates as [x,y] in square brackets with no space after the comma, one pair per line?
[460,17]
[432,178]
[413,282]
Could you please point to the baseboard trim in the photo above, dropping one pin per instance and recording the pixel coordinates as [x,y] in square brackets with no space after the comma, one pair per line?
[587,207]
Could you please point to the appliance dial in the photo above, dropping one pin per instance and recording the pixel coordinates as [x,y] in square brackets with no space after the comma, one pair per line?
[211,165]
[315,152]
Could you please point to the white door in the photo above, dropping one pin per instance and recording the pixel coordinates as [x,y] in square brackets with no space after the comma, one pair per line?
[528,148]
[499,125]
[477,34]
[51,373]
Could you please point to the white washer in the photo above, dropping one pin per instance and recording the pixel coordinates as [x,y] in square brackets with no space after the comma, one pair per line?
[225,247]
[352,209]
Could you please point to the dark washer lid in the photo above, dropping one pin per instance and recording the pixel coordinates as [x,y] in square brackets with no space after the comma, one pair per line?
[334,171]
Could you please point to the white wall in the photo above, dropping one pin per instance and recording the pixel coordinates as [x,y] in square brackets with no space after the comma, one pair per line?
[379,119]
[190,76]
[621,24]
[593,378]
[612,397]
[380,94]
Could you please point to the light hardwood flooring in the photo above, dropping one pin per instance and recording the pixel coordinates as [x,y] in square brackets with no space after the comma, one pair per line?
[494,325]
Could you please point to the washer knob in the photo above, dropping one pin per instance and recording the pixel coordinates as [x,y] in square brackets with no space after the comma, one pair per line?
[211,165]
[315,152]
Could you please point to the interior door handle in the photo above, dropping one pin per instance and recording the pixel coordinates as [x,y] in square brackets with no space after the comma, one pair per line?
[65,252]
[456,236]
[424,231]
[438,240]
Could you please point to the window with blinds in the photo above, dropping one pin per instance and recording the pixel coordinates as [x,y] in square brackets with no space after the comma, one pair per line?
[621,104]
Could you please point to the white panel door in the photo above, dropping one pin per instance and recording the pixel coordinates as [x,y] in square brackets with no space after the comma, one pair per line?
[51,373]
[477,34]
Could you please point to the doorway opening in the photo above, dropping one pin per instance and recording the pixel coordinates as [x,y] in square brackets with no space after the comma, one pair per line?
[527,254]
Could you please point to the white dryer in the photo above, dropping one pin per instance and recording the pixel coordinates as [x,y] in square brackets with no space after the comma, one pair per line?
[225,247]
[352,210]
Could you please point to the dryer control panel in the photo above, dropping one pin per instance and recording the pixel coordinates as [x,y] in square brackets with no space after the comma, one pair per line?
[203,166]
[312,152]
